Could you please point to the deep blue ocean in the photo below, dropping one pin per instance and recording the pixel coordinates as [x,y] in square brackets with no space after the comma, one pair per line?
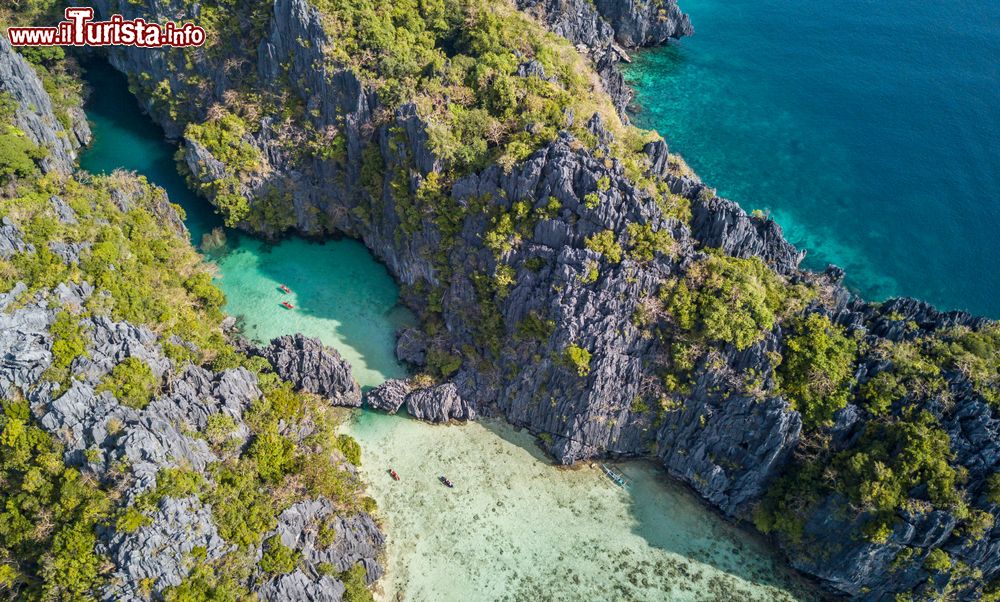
[869,129]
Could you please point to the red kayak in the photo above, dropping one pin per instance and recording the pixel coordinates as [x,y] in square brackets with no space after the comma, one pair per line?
[287,305]
[393,474]
[285,288]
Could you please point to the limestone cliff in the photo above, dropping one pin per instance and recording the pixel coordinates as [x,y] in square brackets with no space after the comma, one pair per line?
[35,115]
[141,455]
[577,292]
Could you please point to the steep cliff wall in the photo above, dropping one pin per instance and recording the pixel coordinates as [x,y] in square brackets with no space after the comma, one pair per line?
[141,455]
[606,29]
[595,292]
[35,115]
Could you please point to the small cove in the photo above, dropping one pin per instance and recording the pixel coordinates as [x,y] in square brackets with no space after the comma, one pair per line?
[515,527]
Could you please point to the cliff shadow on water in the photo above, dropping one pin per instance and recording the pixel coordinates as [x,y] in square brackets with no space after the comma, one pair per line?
[348,299]
[340,293]
[669,517]
[126,138]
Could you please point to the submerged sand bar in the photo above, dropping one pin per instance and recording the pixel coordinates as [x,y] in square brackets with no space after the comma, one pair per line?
[515,527]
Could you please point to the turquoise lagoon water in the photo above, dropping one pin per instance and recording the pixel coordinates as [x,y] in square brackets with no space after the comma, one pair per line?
[870,130]
[515,527]
[360,320]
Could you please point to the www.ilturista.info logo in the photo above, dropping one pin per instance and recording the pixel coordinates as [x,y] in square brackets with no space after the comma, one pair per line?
[80,29]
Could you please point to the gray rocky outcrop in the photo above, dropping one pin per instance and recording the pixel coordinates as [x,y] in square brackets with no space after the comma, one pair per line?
[69,252]
[606,28]
[726,439]
[439,404]
[12,240]
[411,346]
[299,586]
[63,211]
[101,435]
[25,351]
[354,540]
[326,542]
[161,551]
[389,396]
[638,23]
[35,115]
[127,448]
[728,449]
[314,367]
[720,224]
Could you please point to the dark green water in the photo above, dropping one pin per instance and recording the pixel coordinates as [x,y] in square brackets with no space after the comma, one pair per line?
[340,293]
[870,130]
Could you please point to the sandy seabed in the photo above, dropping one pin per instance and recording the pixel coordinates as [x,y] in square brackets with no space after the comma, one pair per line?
[518,528]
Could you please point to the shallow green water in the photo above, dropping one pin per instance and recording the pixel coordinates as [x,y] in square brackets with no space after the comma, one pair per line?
[340,293]
[515,527]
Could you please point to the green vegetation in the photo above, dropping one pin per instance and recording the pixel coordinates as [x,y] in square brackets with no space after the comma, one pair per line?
[350,448]
[146,273]
[132,382]
[48,513]
[993,488]
[18,155]
[143,272]
[645,243]
[903,461]
[207,583]
[732,300]
[354,582]
[278,559]
[891,460]
[604,243]
[578,358]
[533,327]
[937,560]
[468,52]
[68,343]
[974,354]
[224,138]
[816,369]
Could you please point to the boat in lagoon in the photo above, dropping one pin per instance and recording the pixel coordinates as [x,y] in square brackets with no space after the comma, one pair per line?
[520,528]
[617,477]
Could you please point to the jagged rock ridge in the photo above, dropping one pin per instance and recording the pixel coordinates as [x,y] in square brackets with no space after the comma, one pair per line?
[726,441]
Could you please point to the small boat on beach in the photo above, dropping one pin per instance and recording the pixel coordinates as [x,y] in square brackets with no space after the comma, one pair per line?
[617,477]
[393,474]
[285,289]
[287,305]
[445,481]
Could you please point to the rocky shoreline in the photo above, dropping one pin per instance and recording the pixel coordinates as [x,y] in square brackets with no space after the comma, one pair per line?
[728,441]
[156,459]
[567,325]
